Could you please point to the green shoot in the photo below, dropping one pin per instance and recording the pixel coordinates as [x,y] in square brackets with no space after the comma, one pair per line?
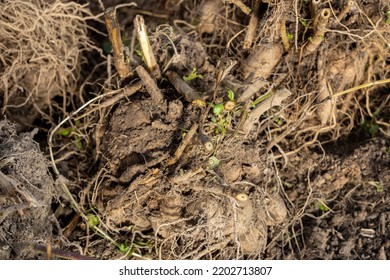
[388,17]
[377,185]
[279,120]
[218,109]
[261,98]
[323,208]
[370,126]
[65,131]
[230,95]
[93,221]
[304,22]
[290,36]
[192,76]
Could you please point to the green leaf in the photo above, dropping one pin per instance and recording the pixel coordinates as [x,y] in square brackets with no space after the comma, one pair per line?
[370,126]
[388,17]
[304,22]
[193,75]
[218,109]
[323,208]
[65,131]
[290,36]
[93,221]
[78,142]
[230,94]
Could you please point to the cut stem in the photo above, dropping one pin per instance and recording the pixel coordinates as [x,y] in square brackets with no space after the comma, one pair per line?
[114,35]
[142,36]
[319,32]
[184,89]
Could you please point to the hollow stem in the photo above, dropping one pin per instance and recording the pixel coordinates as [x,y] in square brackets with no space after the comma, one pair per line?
[319,32]
[142,36]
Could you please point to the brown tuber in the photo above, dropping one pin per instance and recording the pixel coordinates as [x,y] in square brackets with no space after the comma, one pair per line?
[263,60]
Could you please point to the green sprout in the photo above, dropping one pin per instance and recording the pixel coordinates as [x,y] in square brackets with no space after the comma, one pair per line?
[124,248]
[377,185]
[65,131]
[68,132]
[192,76]
[218,109]
[323,208]
[279,120]
[230,94]
[304,22]
[370,126]
[388,17]
[93,220]
[290,36]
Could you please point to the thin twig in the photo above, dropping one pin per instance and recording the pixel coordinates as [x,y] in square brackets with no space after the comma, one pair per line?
[179,151]
[370,84]
[244,8]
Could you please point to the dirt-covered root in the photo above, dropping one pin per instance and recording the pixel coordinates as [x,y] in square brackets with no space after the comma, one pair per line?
[196,217]
[27,192]
[41,56]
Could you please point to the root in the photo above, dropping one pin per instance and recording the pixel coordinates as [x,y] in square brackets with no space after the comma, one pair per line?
[29,78]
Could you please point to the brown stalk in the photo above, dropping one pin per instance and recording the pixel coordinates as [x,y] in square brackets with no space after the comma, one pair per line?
[345,10]
[184,89]
[190,134]
[114,35]
[150,84]
[244,8]
[250,33]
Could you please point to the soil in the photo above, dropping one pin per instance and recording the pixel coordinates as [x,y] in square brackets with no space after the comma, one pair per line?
[260,133]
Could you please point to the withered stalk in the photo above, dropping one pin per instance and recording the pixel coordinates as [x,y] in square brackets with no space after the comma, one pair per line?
[250,33]
[142,36]
[114,35]
[319,32]
[150,84]
[284,36]
[179,151]
[185,89]
[244,8]
[345,10]
[314,7]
